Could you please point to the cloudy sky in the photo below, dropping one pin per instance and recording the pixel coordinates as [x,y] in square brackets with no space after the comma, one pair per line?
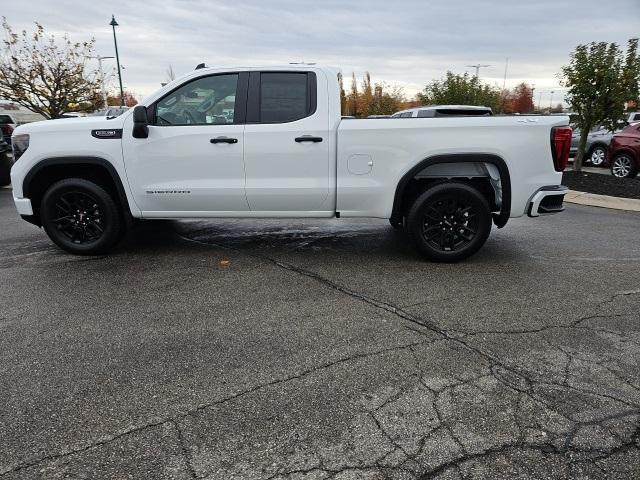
[406,42]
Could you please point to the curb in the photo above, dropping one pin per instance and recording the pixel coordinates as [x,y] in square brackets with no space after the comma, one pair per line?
[603,201]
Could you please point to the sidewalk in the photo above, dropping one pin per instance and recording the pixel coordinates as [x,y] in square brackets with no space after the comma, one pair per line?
[604,201]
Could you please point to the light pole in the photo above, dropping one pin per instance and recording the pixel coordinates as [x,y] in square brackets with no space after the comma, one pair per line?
[550,101]
[114,24]
[478,66]
[104,90]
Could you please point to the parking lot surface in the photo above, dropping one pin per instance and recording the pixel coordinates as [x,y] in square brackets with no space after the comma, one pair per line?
[322,349]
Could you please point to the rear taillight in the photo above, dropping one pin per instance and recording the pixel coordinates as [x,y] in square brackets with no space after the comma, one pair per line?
[6,129]
[560,146]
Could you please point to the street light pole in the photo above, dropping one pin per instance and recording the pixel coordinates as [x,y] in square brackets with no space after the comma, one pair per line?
[478,66]
[550,101]
[114,24]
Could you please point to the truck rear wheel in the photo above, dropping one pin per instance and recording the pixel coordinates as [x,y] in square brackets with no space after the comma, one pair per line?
[449,222]
[81,217]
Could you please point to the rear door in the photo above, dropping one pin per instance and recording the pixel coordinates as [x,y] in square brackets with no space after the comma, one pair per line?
[286,150]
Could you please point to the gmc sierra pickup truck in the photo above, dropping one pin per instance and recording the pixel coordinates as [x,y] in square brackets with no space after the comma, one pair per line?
[270,142]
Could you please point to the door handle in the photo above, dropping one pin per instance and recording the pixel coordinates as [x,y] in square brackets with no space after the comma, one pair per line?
[308,138]
[224,140]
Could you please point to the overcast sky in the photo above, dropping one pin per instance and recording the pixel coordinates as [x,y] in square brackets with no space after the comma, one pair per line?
[403,42]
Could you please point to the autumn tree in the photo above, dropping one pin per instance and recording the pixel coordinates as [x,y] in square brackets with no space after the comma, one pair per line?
[47,75]
[129,100]
[519,100]
[465,89]
[352,100]
[386,99]
[366,97]
[600,79]
[343,95]
[372,99]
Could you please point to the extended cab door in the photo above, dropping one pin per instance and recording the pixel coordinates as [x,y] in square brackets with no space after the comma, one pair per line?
[287,142]
[191,164]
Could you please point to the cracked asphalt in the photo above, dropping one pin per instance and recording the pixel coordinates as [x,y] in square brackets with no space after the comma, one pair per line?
[322,349]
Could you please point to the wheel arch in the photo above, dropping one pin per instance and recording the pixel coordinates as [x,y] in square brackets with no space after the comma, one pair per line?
[49,170]
[499,219]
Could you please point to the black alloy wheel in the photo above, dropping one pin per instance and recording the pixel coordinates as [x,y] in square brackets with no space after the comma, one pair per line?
[81,217]
[450,222]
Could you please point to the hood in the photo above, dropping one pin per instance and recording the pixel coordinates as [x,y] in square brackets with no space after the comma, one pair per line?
[70,124]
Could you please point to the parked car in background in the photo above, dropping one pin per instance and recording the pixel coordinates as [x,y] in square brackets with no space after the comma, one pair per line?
[634,117]
[7,126]
[598,140]
[6,161]
[624,152]
[109,112]
[437,111]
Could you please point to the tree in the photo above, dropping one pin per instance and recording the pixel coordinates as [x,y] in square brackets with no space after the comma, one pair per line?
[599,82]
[343,95]
[47,76]
[519,100]
[371,99]
[366,97]
[353,96]
[464,89]
[386,99]
[170,75]
[129,100]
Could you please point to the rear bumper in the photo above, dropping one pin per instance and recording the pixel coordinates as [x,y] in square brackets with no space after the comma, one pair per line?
[547,200]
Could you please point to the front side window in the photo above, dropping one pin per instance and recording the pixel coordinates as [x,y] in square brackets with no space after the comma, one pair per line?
[205,101]
[283,97]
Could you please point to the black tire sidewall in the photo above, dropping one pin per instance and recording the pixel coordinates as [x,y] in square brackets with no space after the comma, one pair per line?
[111,215]
[416,215]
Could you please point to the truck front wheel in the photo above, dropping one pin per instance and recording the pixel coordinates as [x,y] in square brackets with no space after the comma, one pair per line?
[81,217]
[449,222]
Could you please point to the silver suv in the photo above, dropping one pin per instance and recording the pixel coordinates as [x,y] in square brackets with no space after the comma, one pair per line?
[598,141]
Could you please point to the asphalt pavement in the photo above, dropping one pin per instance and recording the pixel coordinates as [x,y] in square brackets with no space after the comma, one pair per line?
[261,349]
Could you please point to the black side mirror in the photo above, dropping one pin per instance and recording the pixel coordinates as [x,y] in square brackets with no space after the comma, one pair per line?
[140,122]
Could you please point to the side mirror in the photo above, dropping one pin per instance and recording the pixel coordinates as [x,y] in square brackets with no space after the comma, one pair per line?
[140,122]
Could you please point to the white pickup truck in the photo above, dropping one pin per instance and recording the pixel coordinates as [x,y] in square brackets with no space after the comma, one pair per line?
[270,142]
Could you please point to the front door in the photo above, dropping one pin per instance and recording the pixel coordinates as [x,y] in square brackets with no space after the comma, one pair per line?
[191,164]
[287,142]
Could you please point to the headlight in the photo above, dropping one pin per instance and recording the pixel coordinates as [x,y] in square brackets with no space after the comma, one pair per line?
[19,143]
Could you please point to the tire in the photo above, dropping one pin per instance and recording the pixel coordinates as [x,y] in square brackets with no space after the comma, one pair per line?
[623,165]
[81,217]
[440,218]
[597,155]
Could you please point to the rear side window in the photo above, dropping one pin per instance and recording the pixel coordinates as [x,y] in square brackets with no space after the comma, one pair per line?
[5,119]
[406,115]
[284,97]
[425,113]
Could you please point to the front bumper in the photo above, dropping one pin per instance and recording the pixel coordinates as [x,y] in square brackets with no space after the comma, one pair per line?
[23,205]
[547,200]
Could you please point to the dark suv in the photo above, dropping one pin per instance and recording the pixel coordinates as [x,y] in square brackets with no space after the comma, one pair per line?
[623,154]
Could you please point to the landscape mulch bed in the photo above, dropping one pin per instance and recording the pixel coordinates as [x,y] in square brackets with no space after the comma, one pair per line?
[602,184]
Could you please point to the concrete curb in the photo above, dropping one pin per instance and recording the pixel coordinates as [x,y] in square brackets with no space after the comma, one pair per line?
[604,201]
